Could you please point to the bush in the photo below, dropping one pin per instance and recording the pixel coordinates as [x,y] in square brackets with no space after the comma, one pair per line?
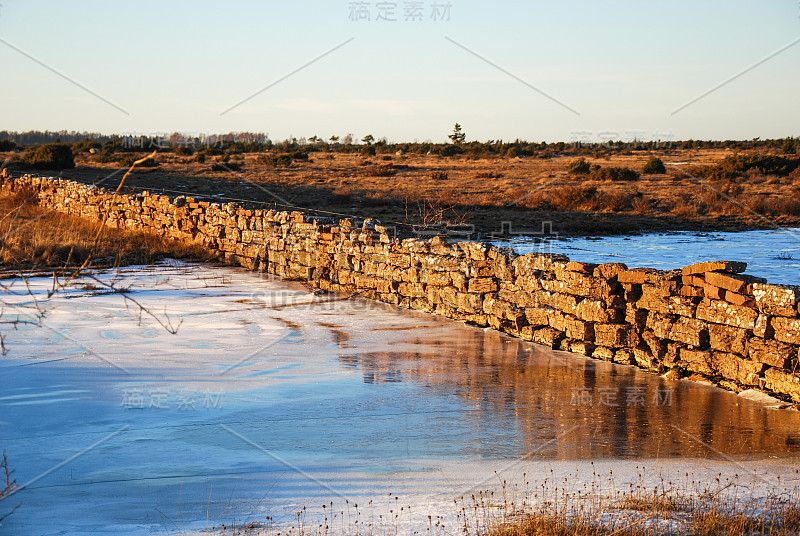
[368,150]
[379,170]
[512,152]
[7,145]
[440,176]
[579,167]
[49,156]
[614,174]
[654,166]
[450,150]
[85,145]
[732,167]
[573,198]
[229,166]
[277,160]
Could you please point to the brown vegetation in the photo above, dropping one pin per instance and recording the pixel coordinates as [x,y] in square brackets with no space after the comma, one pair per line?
[707,189]
[32,237]
[547,510]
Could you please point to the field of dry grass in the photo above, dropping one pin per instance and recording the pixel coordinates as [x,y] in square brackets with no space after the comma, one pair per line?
[484,192]
[33,238]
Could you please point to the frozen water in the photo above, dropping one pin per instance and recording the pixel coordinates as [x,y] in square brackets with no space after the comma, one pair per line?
[773,254]
[270,397]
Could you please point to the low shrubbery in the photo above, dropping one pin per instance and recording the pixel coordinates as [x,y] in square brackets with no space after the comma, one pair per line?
[579,167]
[599,173]
[613,174]
[739,165]
[85,146]
[49,156]
[277,160]
[654,166]
[450,150]
[378,170]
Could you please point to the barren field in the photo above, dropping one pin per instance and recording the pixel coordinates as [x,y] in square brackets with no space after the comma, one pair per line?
[431,190]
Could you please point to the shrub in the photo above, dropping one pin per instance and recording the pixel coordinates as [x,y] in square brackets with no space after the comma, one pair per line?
[85,145]
[440,176]
[735,166]
[229,166]
[49,156]
[277,160]
[7,145]
[512,152]
[573,197]
[299,155]
[379,170]
[368,150]
[450,150]
[579,167]
[614,174]
[654,166]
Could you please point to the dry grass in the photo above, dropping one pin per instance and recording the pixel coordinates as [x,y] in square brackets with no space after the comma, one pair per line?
[559,508]
[665,509]
[32,237]
[486,190]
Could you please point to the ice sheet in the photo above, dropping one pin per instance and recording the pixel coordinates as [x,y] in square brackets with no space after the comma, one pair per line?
[270,397]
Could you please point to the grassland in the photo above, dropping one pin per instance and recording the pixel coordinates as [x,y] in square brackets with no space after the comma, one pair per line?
[422,189]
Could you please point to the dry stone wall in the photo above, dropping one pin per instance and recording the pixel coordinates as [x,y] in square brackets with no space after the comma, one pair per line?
[708,320]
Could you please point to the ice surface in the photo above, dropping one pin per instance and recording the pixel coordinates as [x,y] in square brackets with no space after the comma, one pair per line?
[774,254]
[270,397]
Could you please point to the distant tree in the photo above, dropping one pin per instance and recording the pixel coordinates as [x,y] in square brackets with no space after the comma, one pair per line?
[348,139]
[368,139]
[334,140]
[457,137]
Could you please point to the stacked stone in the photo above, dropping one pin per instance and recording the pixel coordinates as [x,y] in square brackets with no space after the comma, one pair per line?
[708,319]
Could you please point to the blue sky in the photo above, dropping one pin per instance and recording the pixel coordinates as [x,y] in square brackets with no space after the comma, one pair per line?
[623,66]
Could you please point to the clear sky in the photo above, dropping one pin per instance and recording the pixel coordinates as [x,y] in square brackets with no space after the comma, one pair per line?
[504,70]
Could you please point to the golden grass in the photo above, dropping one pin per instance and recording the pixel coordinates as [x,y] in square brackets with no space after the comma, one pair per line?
[484,191]
[32,237]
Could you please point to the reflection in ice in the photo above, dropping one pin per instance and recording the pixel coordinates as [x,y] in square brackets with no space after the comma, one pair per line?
[270,397]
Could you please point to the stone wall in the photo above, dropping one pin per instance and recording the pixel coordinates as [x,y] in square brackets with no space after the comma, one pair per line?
[707,320]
